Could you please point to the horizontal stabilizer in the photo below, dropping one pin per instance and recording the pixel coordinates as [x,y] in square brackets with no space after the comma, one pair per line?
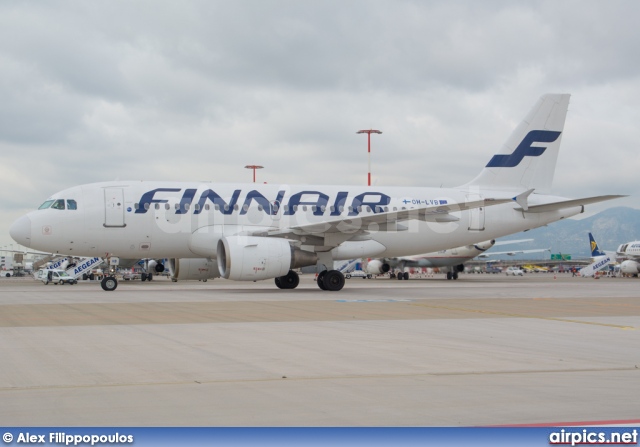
[567,204]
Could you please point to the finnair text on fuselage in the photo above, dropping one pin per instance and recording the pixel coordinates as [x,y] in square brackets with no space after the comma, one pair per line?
[371,201]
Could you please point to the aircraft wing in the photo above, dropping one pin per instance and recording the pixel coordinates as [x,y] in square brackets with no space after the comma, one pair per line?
[567,204]
[517,241]
[382,221]
[513,253]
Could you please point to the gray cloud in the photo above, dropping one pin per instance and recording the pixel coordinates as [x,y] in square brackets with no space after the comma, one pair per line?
[197,89]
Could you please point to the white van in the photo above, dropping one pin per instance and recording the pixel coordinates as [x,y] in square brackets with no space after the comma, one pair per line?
[55,276]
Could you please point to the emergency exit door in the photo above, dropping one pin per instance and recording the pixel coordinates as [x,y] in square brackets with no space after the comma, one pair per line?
[114,207]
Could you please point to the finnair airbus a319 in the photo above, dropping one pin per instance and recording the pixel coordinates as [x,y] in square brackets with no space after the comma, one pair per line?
[249,232]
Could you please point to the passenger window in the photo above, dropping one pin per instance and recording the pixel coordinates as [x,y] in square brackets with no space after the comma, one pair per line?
[157,206]
[58,204]
[167,206]
[72,205]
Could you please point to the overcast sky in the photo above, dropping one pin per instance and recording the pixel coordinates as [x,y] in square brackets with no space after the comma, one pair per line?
[196,90]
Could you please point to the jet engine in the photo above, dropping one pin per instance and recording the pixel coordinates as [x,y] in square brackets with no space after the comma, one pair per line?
[377,267]
[186,268]
[251,258]
[155,266]
[630,267]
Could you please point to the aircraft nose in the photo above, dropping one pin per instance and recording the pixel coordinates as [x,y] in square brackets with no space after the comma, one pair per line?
[20,231]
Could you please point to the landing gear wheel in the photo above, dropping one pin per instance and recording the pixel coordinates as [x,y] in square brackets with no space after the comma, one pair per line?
[333,280]
[320,280]
[143,277]
[449,276]
[109,283]
[406,276]
[149,276]
[290,280]
[400,276]
[455,275]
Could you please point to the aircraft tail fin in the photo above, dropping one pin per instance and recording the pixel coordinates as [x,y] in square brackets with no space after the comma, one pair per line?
[595,250]
[528,158]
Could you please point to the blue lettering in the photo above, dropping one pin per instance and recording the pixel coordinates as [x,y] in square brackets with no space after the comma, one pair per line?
[186,199]
[339,202]
[261,200]
[376,206]
[147,199]
[296,199]
[225,208]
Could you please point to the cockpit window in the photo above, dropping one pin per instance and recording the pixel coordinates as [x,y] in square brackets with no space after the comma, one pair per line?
[58,204]
[72,205]
[46,205]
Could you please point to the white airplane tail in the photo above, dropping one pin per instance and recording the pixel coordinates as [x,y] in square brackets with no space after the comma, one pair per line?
[528,158]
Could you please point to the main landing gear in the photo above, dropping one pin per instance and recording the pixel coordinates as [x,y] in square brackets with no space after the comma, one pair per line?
[404,276]
[288,281]
[452,275]
[331,280]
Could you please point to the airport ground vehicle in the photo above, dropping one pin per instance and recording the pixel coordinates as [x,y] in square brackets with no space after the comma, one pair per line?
[514,271]
[55,276]
[357,274]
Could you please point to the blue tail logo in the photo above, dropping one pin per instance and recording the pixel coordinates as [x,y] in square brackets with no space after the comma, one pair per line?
[524,149]
[595,251]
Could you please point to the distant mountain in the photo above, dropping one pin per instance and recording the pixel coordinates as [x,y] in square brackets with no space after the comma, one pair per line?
[610,228]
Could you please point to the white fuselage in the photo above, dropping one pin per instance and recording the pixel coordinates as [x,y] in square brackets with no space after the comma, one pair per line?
[142,219]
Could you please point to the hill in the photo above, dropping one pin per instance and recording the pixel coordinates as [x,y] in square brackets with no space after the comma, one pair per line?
[610,228]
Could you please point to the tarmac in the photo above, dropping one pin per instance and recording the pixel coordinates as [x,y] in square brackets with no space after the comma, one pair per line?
[484,350]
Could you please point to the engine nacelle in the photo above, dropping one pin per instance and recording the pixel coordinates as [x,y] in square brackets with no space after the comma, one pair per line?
[251,258]
[630,267]
[192,269]
[377,267]
[154,266]
[459,268]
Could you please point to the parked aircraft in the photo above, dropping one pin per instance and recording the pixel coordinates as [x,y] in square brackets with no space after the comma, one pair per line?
[253,232]
[599,259]
[450,261]
[630,251]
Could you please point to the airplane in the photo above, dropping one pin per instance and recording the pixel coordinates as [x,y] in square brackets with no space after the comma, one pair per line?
[452,260]
[599,259]
[631,251]
[250,232]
